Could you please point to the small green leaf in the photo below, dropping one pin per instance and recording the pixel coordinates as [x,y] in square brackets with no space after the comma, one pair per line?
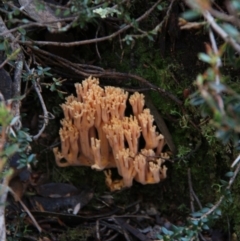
[16,12]
[165,231]
[159,7]
[2,46]
[20,97]
[235,4]
[229,174]
[190,15]
[160,237]
[223,182]
[53,87]
[58,12]
[14,120]
[205,58]
[200,79]
[204,210]
[218,212]
[204,220]
[205,226]
[195,222]
[231,30]
[46,69]
[24,20]
[21,165]
[22,160]
[197,101]
[47,74]
[10,150]
[185,239]
[66,13]
[175,228]
[196,214]
[23,156]
[210,205]
[150,37]
[218,87]
[60,95]
[31,158]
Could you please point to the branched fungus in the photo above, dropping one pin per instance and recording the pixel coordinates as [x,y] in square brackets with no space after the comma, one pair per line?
[95,132]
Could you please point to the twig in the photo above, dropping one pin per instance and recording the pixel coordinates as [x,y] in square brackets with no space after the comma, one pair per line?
[190,190]
[127,238]
[130,216]
[16,87]
[112,226]
[212,209]
[201,237]
[223,16]
[232,11]
[95,40]
[235,161]
[215,50]
[65,28]
[113,237]
[97,231]
[192,197]
[3,197]
[192,193]
[46,115]
[4,62]
[96,44]
[3,183]
[214,44]
[158,27]
[26,209]
[229,230]
[220,31]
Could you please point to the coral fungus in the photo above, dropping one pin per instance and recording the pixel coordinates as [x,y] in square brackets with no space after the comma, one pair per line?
[95,132]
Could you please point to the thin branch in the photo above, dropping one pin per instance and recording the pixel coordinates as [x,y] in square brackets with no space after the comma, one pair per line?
[215,50]
[26,209]
[96,44]
[223,16]
[229,229]
[192,197]
[220,31]
[211,210]
[4,62]
[192,193]
[235,161]
[158,27]
[213,42]
[97,230]
[46,115]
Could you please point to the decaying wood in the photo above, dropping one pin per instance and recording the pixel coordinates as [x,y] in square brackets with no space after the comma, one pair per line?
[42,16]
